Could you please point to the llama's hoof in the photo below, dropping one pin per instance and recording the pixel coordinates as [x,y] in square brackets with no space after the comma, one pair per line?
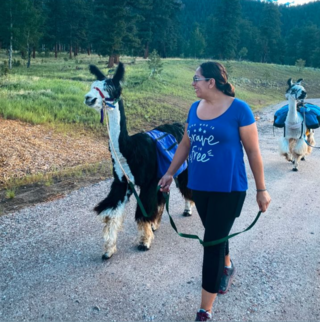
[105,256]
[303,159]
[143,248]
[154,227]
[186,214]
[295,169]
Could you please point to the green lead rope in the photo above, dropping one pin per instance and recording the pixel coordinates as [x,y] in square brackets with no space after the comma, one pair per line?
[173,225]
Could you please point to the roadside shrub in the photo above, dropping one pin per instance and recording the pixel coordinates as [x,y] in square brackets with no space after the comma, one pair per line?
[16,63]
[300,63]
[10,194]
[155,64]
[4,68]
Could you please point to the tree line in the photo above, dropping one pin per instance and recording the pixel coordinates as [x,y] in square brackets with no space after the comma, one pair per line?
[216,29]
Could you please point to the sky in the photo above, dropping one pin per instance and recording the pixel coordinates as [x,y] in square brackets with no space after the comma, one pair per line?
[294,2]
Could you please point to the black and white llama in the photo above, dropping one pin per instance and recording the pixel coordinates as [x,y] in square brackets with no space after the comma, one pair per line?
[293,144]
[137,156]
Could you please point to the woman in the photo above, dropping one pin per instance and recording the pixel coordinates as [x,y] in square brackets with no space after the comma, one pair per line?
[217,128]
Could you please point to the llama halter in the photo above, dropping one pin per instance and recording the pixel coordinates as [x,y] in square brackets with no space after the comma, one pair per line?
[105,103]
[106,100]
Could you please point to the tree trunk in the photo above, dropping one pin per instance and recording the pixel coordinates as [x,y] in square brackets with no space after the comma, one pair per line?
[111,61]
[88,51]
[11,37]
[34,52]
[70,52]
[29,55]
[146,51]
[56,50]
[116,59]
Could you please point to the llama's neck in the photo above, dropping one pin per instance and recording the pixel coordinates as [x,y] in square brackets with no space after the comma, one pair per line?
[292,116]
[120,140]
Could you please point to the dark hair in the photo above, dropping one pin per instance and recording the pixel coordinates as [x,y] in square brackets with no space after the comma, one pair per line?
[218,72]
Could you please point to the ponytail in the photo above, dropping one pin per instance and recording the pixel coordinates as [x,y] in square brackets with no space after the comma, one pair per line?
[218,72]
[229,89]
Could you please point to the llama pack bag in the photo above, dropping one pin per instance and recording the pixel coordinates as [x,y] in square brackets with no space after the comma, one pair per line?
[309,111]
[312,115]
[166,148]
[280,116]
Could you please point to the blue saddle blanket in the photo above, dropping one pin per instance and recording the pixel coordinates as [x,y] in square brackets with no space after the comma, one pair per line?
[166,148]
[309,111]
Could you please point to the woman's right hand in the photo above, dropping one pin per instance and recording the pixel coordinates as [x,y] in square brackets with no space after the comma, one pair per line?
[165,182]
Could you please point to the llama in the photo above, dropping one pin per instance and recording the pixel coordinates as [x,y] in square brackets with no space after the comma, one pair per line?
[292,144]
[137,156]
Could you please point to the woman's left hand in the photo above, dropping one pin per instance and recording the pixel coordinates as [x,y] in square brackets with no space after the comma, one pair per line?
[263,200]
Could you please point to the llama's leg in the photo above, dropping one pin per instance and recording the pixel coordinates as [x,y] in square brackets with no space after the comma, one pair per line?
[160,204]
[284,149]
[111,211]
[299,150]
[311,141]
[156,223]
[186,192]
[296,162]
[149,200]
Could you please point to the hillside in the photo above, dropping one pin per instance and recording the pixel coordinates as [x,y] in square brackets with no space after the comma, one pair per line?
[52,143]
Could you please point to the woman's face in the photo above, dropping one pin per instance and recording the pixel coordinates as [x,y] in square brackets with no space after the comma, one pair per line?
[200,83]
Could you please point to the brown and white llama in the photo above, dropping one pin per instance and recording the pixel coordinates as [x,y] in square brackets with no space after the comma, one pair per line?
[293,144]
[137,155]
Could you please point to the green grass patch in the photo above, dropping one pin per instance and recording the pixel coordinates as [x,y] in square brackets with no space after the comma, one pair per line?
[104,169]
[10,193]
[52,90]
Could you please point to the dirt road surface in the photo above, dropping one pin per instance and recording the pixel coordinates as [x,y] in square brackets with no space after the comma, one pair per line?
[51,267]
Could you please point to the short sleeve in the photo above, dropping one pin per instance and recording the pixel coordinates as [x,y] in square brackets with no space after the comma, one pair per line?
[188,117]
[246,115]
[193,106]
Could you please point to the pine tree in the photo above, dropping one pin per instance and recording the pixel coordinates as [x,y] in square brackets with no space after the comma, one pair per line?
[54,12]
[165,29]
[270,34]
[315,58]
[114,28]
[226,34]
[197,43]
[75,24]
[248,39]
[307,45]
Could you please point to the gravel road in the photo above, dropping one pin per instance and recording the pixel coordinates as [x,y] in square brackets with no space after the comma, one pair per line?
[51,268]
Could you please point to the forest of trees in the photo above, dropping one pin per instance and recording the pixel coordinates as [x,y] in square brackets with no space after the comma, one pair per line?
[217,29]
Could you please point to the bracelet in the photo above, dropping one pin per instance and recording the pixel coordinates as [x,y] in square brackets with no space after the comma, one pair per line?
[261,190]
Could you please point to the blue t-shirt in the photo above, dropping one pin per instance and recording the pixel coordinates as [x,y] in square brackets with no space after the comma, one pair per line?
[216,153]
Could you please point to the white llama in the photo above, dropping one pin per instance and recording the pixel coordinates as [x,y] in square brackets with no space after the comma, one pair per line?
[293,145]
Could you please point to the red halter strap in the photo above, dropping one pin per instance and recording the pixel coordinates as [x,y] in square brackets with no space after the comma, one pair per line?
[101,94]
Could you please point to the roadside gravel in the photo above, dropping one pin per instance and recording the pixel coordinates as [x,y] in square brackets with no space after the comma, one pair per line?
[51,268]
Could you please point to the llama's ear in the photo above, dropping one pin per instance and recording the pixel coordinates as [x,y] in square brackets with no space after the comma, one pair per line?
[118,76]
[299,81]
[289,82]
[96,71]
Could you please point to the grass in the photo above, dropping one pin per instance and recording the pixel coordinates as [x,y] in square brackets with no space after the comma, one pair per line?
[52,91]
[104,170]
[10,193]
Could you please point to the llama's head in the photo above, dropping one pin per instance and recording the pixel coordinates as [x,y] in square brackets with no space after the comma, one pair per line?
[296,91]
[104,90]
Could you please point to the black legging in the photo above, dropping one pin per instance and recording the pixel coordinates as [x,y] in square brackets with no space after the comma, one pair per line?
[217,211]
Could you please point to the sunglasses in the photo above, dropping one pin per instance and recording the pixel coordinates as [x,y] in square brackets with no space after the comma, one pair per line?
[197,79]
